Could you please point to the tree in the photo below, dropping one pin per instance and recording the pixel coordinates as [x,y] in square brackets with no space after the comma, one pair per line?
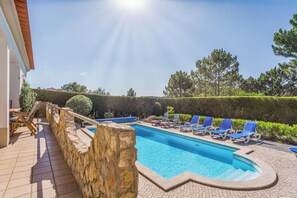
[74,87]
[286,41]
[202,78]
[131,92]
[180,85]
[250,85]
[279,81]
[282,80]
[216,74]
[100,91]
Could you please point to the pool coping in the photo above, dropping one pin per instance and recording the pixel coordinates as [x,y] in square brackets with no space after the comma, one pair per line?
[267,178]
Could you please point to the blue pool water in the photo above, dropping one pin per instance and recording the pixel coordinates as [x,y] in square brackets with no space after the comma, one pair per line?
[119,120]
[170,154]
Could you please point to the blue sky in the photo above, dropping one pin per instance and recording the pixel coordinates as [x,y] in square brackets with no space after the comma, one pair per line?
[102,43]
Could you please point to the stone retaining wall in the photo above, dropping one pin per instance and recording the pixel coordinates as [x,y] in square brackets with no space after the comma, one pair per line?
[41,112]
[106,168]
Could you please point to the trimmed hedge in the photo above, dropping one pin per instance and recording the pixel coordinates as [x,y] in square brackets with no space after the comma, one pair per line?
[271,109]
[120,105]
[266,110]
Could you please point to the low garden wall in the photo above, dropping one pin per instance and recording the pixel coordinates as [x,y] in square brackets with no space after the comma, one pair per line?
[106,168]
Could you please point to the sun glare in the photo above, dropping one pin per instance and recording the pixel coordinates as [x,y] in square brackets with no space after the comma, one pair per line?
[131,4]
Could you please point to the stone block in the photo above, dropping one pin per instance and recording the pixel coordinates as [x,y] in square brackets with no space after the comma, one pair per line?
[126,178]
[126,158]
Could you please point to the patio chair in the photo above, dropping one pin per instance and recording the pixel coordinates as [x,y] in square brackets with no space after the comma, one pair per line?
[157,122]
[189,125]
[223,130]
[205,127]
[25,118]
[247,133]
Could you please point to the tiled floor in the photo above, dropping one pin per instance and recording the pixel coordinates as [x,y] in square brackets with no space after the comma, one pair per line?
[33,166]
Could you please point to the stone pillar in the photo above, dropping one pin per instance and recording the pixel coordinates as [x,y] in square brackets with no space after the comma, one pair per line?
[15,83]
[4,93]
[69,119]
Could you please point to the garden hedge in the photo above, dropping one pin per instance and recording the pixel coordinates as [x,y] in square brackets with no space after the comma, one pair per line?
[276,116]
[271,109]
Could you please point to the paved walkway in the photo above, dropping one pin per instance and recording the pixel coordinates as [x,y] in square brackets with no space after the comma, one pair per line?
[34,167]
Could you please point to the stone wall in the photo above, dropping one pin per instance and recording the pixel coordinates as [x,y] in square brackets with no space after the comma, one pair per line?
[106,168]
[41,110]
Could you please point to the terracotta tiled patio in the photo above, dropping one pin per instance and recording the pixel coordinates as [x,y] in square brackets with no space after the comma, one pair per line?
[33,166]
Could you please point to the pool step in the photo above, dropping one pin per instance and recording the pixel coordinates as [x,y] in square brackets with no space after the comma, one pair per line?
[225,174]
[247,175]
[234,175]
[252,176]
[237,175]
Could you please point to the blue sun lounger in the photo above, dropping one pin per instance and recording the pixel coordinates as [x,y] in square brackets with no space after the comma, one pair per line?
[223,130]
[194,122]
[248,131]
[294,150]
[206,126]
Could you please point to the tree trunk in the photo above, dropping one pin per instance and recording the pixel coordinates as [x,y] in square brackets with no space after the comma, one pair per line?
[219,91]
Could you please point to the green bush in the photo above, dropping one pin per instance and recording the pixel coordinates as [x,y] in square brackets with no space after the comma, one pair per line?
[108,114]
[159,118]
[80,104]
[157,109]
[27,97]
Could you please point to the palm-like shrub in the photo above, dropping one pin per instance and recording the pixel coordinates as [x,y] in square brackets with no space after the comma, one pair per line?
[80,104]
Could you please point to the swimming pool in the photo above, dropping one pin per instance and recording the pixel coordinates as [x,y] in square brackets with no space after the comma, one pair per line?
[170,159]
[119,120]
[170,155]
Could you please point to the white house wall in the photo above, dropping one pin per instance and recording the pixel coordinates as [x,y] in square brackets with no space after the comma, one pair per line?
[4,90]
[12,69]
[15,84]
[4,28]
